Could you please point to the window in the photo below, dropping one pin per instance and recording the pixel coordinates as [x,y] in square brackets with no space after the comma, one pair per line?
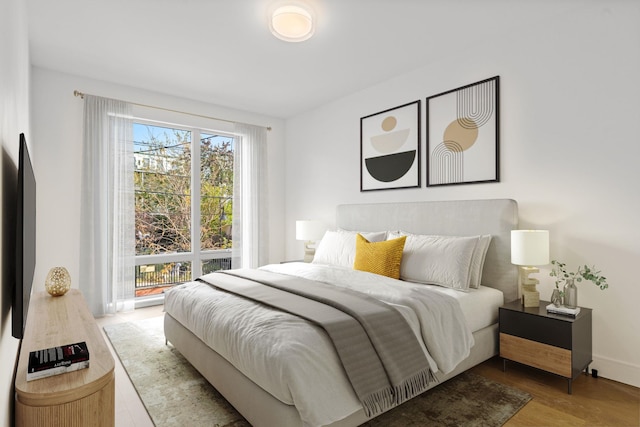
[180,236]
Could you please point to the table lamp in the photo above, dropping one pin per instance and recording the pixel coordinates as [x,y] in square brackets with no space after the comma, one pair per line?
[529,248]
[310,231]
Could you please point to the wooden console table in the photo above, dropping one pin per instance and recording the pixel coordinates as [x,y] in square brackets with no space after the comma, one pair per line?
[81,398]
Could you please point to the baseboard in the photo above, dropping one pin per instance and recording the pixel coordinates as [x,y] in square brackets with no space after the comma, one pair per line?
[148,301]
[617,370]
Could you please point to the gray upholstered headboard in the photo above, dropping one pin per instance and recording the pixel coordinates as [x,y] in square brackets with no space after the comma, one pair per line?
[451,218]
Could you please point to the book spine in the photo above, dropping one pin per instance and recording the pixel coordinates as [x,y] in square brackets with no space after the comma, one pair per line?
[57,371]
[59,364]
[564,313]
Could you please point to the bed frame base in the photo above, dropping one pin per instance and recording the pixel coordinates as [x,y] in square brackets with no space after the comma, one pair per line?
[261,408]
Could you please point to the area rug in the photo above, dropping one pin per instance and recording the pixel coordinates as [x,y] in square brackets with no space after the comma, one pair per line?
[175,394]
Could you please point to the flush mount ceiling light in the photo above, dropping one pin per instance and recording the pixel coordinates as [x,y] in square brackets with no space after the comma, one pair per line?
[292,22]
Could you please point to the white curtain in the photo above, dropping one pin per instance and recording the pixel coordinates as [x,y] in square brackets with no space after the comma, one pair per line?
[107,221]
[250,219]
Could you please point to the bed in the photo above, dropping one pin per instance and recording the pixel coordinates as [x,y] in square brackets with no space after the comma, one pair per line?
[314,389]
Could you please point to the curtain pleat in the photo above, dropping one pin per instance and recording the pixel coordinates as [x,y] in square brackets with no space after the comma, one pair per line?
[107,245]
[250,203]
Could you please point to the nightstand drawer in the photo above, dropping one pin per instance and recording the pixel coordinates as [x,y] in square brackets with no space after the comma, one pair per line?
[536,354]
[545,330]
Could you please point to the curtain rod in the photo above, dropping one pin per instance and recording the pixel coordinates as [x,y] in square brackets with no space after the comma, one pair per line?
[81,95]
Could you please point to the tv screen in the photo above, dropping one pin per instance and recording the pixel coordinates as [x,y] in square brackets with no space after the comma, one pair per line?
[25,240]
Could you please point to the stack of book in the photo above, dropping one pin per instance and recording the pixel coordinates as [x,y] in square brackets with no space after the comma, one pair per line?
[573,312]
[57,360]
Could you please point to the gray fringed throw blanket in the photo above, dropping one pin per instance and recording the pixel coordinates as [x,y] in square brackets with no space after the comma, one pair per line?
[380,353]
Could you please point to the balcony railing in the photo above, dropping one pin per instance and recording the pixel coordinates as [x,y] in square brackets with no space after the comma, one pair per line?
[173,273]
[154,279]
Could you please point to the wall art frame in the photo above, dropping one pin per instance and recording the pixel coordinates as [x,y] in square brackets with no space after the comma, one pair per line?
[390,152]
[463,144]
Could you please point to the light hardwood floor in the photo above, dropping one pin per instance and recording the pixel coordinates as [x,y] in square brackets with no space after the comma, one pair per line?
[594,402]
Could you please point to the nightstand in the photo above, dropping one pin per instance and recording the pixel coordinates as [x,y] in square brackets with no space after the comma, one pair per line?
[554,343]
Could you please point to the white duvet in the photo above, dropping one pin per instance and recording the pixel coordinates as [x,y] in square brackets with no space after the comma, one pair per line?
[293,359]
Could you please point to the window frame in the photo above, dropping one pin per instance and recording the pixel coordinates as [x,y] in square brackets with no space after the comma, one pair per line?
[196,256]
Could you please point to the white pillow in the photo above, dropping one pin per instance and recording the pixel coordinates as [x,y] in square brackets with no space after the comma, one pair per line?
[371,236]
[339,247]
[477,262]
[437,260]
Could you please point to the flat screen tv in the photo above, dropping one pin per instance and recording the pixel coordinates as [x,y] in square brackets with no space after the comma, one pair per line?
[25,240]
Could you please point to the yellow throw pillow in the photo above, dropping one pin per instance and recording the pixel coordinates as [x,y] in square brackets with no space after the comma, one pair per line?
[382,258]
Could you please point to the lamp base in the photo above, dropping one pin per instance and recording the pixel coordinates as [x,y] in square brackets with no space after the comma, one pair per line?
[531,298]
[530,295]
[309,251]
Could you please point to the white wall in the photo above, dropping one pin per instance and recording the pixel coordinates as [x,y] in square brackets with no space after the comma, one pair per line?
[569,115]
[14,119]
[57,129]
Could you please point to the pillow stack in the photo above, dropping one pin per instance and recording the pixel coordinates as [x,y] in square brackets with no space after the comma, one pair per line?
[450,261]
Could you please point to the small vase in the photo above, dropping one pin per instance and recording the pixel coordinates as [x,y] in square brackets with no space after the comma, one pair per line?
[58,281]
[570,294]
[556,297]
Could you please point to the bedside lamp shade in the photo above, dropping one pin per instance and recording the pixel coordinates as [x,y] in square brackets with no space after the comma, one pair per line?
[310,231]
[529,248]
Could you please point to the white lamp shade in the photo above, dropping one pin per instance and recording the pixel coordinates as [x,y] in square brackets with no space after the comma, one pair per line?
[530,247]
[309,230]
[292,23]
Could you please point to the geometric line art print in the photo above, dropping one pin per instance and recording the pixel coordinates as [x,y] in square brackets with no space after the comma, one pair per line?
[462,134]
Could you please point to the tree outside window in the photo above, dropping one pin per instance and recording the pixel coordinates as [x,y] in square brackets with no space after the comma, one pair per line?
[164,202]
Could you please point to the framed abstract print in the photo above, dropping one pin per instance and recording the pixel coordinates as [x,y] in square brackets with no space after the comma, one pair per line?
[462,135]
[390,148]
